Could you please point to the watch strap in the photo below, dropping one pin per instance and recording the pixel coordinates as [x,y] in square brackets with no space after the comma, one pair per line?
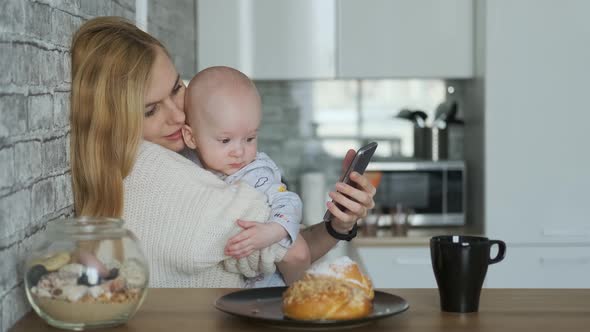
[351,234]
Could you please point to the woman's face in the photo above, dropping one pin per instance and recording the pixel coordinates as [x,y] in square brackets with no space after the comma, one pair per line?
[164,105]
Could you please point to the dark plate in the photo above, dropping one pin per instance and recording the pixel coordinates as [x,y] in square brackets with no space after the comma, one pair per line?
[263,305]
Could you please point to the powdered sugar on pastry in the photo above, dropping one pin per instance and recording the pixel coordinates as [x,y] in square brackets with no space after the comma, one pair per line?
[337,268]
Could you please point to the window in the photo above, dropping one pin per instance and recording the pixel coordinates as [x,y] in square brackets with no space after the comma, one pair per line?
[348,114]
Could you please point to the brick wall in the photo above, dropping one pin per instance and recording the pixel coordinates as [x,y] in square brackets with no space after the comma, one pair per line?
[34,133]
[174,24]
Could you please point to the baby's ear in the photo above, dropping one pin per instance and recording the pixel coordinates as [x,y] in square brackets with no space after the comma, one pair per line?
[189,138]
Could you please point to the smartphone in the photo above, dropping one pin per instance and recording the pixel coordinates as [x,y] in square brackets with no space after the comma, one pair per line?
[358,164]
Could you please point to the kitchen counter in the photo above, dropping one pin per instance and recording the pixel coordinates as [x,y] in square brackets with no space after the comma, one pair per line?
[416,236]
[535,310]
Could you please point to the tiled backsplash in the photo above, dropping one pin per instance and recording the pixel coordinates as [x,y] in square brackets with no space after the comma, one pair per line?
[285,131]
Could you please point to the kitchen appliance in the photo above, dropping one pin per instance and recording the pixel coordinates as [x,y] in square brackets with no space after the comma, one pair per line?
[434,191]
[439,139]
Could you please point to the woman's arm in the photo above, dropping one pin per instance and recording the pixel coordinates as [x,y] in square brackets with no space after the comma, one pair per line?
[356,202]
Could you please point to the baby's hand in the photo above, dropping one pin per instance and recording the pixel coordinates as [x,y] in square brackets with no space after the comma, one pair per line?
[255,236]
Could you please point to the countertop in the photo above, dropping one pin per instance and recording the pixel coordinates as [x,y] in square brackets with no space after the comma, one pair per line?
[414,236]
[535,310]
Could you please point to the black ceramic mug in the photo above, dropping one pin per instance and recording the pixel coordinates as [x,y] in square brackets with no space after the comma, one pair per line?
[460,264]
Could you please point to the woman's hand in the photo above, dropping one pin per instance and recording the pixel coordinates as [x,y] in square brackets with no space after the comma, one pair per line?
[355,202]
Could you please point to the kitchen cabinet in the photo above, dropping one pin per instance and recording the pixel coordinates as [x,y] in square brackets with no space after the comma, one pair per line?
[536,122]
[530,122]
[405,38]
[397,267]
[310,39]
[268,39]
[542,267]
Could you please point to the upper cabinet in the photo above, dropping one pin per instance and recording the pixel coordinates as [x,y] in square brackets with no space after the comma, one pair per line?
[405,38]
[318,39]
[268,39]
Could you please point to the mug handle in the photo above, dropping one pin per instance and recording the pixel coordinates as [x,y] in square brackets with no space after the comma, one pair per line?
[501,251]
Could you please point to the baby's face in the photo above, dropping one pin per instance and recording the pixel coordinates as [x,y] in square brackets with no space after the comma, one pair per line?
[227,130]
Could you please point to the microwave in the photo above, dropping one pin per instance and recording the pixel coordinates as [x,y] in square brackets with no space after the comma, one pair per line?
[435,191]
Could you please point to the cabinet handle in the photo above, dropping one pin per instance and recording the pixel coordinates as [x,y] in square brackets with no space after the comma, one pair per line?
[564,260]
[565,233]
[411,261]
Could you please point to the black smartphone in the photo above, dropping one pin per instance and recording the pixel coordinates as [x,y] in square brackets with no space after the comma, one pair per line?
[358,164]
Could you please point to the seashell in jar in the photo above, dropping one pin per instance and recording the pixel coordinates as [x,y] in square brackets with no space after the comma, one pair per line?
[89,278]
[117,284]
[112,264]
[53,262]
[61,282]
[134,273]
[75,292]
[96,291]
[69,271]
[91,261]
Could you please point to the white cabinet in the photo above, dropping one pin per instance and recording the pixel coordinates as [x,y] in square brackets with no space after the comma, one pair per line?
[319,39]
[405,38]
[537,170]
[542,267]
[268,39]
[398,267]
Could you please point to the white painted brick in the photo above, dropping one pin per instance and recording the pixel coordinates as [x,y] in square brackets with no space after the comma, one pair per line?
[42,199]
[7,178]
[61,109]
[12,15]
[27,160]
[20,70]
[68,142]
[68,5]
[13,113]
[63,26]
[40,26]
[9,269]
[124,12]
[54,155]
[15,215]
[7,66]
[48,68]
[40,111]
[63,191]
[63,67]
[30,54]
[14,307]
[96,8]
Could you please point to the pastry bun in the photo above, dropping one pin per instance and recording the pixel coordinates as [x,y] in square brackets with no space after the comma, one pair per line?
[330,291]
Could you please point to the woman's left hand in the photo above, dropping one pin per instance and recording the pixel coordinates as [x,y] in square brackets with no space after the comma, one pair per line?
[356,202]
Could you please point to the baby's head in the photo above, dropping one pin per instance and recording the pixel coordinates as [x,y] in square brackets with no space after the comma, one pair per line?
[223,115]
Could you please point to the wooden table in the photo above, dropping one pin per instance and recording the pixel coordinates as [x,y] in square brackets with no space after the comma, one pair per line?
[500,310]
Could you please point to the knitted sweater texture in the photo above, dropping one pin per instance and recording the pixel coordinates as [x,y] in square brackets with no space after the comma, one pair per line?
[183,216]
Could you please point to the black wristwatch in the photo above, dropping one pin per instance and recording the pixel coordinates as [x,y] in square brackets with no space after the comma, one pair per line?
[351,234]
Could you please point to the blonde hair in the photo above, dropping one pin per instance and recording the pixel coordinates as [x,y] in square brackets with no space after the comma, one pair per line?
[111,64]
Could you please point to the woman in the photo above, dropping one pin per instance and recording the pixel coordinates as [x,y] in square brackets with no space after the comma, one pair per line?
[126,113]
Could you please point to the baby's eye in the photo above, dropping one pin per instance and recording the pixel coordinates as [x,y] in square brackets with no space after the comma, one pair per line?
[224,140]
[250,139]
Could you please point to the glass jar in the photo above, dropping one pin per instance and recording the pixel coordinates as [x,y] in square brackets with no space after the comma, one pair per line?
[88,272]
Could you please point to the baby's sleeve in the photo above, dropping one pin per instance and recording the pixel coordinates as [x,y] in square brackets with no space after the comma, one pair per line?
[286,206]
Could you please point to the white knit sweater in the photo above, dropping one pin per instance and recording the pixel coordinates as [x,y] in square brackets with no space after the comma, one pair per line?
[183,216]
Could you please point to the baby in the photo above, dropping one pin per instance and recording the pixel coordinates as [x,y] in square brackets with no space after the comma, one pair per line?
[223,114]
